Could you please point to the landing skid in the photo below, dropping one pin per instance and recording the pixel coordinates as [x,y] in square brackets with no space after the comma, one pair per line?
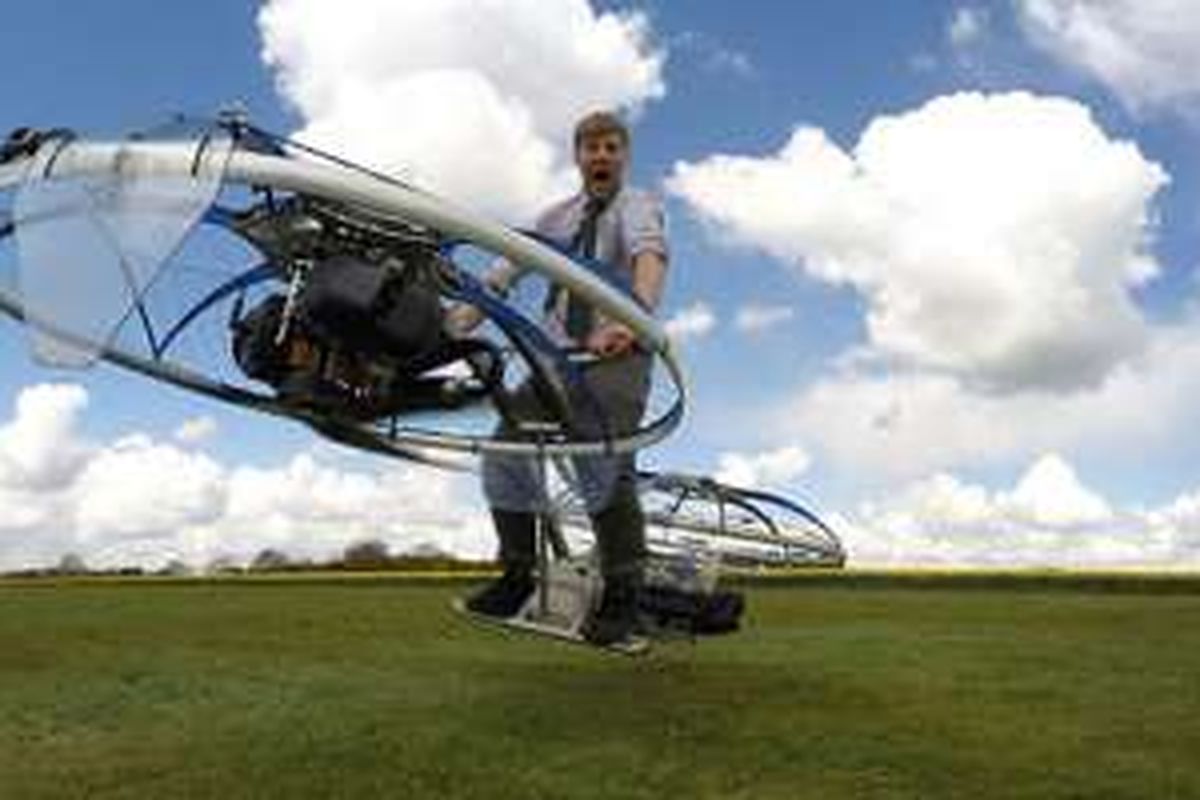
[552,629]
[560,607]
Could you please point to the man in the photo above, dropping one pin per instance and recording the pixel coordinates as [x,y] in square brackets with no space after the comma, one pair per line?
[624,228]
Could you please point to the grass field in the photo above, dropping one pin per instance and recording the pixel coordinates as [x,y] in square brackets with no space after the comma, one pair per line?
[875,687]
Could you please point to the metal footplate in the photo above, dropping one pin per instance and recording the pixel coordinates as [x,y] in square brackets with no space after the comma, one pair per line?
[561,607]
[567,596]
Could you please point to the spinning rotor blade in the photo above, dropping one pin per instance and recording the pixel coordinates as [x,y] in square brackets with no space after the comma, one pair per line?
[90,243]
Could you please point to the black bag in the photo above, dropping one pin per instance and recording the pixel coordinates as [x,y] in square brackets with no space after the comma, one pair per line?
[692,612]
[370,310]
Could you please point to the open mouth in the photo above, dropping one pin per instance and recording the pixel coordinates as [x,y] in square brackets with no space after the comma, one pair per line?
[601,177]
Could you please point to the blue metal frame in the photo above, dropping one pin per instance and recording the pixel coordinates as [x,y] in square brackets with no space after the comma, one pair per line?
[790,505]
[515,325]
[611,275]
[255,275]
[219,215]
[469,289]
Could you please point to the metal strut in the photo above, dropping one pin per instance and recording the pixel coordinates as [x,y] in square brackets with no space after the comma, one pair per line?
[547,535]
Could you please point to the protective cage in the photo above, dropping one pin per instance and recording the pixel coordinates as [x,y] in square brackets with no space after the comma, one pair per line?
[167,254]
[698,528]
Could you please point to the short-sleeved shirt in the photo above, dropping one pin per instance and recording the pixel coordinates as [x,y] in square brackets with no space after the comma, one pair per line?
[634,222]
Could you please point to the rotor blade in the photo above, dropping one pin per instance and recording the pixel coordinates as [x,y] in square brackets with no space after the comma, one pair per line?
[89,245]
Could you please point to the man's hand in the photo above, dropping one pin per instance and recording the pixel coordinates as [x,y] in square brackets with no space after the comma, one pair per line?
[610,340]
[461,319]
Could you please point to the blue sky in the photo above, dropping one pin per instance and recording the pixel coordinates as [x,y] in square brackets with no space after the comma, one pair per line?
[925,440]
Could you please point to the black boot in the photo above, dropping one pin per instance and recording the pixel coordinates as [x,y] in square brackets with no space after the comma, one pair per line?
[503,597]
[616,621]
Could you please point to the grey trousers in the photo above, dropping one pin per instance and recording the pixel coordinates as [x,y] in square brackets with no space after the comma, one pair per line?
[617,390]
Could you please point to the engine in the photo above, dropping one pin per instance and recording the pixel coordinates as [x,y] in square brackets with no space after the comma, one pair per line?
[359,329]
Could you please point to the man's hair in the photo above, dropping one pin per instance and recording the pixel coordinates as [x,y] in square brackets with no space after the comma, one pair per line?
[599,123]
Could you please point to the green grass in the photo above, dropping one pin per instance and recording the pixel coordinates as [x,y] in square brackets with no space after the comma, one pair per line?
[373,688]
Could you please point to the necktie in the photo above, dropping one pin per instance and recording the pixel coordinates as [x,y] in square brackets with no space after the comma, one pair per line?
[578,323]
[579,313]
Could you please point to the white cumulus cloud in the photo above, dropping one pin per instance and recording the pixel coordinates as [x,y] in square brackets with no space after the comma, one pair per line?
[1051,493]
[145,502]
[137,500]
[758,318]
[139,488]
[1145,51]
[903,425]
[38,447]
[772,468]
[994,237]
[693,322]
[471,98]
[1049,518]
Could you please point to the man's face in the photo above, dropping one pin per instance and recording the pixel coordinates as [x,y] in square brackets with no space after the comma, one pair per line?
[601,161]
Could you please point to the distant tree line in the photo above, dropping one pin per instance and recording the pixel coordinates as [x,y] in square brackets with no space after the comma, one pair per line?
[366,555]
[370,555]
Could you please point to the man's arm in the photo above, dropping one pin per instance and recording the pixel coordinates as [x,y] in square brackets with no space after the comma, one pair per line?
[462,318]
[645,227]
[649,275]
